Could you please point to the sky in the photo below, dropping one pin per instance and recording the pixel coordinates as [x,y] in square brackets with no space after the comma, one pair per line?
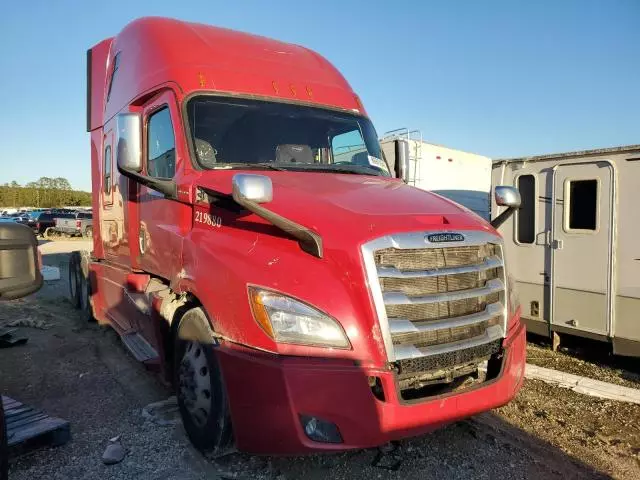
[498,78]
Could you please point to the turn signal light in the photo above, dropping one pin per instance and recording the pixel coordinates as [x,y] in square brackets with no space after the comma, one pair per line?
[260,312]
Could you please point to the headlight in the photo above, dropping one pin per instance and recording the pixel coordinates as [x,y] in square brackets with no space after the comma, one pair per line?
[287,320]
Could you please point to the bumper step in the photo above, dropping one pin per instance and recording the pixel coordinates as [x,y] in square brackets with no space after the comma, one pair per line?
[139,347]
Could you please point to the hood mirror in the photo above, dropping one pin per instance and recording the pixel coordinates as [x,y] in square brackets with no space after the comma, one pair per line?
[507,196]
[252,188]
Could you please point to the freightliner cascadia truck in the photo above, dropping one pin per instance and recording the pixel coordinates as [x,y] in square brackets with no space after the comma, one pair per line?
[251,245]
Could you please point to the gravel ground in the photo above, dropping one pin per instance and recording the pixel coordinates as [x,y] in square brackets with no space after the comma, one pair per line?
[81,372]
[587,358]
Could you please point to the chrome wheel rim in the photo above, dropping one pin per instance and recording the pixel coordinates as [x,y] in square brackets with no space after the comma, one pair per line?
[195,383]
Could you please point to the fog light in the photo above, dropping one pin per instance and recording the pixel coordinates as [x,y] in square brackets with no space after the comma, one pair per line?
[320,430]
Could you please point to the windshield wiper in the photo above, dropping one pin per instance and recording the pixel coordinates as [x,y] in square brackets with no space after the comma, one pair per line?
[333,168]
[314,167]
[249,166]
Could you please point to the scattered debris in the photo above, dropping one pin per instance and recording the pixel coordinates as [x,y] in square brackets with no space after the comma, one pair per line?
[114,453]
[165,412]
[587,386]
[50,273]
[8,339]
[29,323]
[29,429]
[388,457]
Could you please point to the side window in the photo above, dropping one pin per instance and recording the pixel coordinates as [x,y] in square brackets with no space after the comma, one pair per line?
[161,151]
[526,214]
[106,181]
[581,205]
[116,65]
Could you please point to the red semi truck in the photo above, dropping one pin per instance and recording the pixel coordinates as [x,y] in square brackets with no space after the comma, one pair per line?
[250,244]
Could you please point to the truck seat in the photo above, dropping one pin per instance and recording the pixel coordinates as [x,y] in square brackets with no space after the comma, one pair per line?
[205,152]
[290,153]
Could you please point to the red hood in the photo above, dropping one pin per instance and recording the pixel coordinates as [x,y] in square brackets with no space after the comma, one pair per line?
[346,208]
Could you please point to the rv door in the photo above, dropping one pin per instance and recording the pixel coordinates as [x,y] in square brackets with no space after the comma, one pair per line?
[582,248]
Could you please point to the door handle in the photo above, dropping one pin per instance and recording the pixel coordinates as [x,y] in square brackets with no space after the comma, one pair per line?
[557,244]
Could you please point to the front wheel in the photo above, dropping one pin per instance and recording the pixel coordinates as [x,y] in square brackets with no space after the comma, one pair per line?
[88,232]
[75,280]
[201,393]
[80,284]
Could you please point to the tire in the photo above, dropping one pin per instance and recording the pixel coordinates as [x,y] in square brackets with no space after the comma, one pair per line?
[88,232]
[75,280]
[201,394]
[86,309]
[48,233]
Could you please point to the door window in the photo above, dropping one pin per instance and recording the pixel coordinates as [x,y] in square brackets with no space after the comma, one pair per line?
[526,214]
[106,182]
[581,209]
[161,151]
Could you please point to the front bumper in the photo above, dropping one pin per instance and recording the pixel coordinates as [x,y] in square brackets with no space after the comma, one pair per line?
[268,393]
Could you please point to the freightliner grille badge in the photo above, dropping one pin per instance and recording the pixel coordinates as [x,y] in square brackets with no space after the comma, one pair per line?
[444,237]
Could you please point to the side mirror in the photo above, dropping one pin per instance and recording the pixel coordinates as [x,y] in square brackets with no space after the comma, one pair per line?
[252,188]
[129,142]
[19,269]
[505,197]
[129,155]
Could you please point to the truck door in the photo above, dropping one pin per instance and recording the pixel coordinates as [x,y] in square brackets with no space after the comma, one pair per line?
[582,239]
[159,221]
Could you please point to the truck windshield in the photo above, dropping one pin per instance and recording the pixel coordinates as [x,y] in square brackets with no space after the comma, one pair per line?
[242,133]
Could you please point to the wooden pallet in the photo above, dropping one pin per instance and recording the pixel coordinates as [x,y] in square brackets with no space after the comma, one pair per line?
[29,429]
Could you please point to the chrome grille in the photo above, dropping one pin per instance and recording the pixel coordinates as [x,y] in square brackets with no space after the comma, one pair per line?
[438,337]
[432,298]
[423,259]
[440,310]
[443,283]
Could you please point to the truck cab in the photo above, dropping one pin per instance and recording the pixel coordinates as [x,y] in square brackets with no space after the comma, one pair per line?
[250,243]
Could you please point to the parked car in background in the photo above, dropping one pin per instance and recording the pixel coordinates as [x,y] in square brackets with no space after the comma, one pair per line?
[76,223]
[21,217]
[42,221]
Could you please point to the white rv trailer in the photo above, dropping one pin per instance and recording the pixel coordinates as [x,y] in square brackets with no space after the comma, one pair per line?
[573,246]
[460,176]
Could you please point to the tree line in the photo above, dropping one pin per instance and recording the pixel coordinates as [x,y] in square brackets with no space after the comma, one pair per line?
[46,192]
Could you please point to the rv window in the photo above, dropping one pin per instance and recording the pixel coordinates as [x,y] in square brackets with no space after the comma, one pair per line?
[526,214]
[161,151]
[582,205]
[106,183]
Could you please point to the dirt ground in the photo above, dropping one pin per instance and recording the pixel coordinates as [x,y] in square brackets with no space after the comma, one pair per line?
[81,372]
[587,358]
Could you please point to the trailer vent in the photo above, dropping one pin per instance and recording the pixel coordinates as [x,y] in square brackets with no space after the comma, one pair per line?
[434,301]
